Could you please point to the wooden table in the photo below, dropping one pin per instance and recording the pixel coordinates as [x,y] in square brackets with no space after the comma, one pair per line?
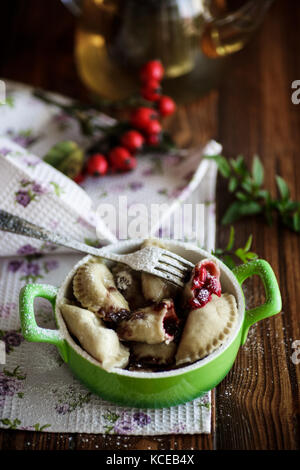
[257,405]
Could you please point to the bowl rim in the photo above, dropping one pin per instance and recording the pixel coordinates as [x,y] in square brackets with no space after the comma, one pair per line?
[131,244]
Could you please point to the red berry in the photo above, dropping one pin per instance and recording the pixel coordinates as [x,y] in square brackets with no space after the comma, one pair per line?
[166,106]
[151,90]
[97,165]
[153,139]
[141,117]
[152,70]
[121,159]
[132,140]
[79,178]
[132,163]
[153,127]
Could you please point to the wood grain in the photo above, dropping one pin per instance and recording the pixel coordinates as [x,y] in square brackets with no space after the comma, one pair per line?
[257,405]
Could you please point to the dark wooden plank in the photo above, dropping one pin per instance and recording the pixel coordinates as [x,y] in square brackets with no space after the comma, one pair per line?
[257,404]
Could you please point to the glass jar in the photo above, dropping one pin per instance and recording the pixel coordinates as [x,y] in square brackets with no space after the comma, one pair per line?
[190,37]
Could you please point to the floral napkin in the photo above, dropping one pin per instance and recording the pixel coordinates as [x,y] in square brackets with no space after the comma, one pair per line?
[37,390]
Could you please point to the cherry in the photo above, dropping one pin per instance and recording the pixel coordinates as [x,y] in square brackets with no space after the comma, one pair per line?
[131,165]
[153,127]
[97,165]
[79,178]
[132,140]
[121,159]
[141,117]
[166,106]
[153,139]
[152,70]
[151,90]
[205,282]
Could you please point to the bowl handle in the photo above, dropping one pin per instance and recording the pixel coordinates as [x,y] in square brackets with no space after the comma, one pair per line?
[273,297]
[30,330]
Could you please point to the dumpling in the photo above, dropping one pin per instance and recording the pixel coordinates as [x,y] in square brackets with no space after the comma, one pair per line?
[128,282]
[152,325]
[155,288]
[95,289]
[207,328]
[157,354]
[100,342]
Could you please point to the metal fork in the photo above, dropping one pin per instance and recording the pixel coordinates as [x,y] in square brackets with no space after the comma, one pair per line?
[152,259]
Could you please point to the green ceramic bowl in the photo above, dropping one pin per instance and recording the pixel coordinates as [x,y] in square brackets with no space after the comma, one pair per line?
[160,389]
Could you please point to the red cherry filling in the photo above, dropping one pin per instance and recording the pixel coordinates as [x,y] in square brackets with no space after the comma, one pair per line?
[205,282]
[170,321]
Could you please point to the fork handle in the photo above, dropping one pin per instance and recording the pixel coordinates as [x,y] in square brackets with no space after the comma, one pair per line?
[14,224]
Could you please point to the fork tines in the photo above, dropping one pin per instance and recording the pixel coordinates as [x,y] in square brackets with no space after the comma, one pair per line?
[174,267]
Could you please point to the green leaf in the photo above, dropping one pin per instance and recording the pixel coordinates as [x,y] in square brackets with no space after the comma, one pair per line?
[240,209]
[228,260]
[283,188]
[5,421]
[263,193]
[240,253]
[247,185]
[233,184]
[296,222]
[239,166]
[38,427]
[248,244]
[292,205]
[57,189]
[231,239]
[241,196]
[223,165]
[250,255]
[257,171]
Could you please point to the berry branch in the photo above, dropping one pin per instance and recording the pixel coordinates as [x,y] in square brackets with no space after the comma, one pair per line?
[120,144]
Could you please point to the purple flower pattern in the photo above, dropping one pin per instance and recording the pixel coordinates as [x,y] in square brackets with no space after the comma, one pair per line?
[142,419]
[23,198]
[29,191]
[8,385]
[24,138]
[62,408]
[11,339]
[179,428]
[31,269]
[14,265]
[125,423]
[26,250]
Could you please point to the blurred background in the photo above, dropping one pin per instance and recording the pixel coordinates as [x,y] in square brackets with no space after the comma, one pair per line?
[105,42]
